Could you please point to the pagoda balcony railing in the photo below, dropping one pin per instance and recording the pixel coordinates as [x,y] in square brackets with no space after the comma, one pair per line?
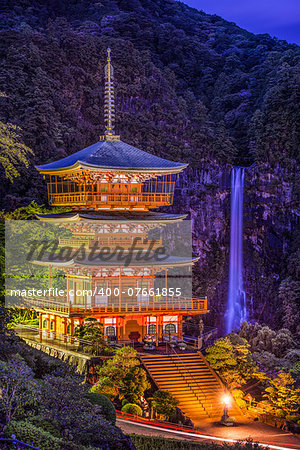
[153,304]
[124,243]
[148,200]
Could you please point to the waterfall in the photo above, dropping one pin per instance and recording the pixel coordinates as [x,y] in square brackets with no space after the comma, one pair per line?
[236,305]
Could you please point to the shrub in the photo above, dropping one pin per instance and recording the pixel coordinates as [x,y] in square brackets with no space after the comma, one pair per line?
[265,406]
[292,418]
[105,387]
[280,413]
[165,403]
[74,414]
[29,433]
[154,442]
[238,393]
[230,420]
[45,425]
[107,408]
[134,384]
[124,402]
[19,390]
[131,408]
[241,403]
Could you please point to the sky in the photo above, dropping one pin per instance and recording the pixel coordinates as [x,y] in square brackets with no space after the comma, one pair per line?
[280,18]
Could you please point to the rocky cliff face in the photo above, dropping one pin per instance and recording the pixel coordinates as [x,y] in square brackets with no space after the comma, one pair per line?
[270,220]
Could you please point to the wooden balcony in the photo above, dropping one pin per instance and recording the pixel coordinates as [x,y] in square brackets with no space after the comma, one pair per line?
[141,200]
[125,243]
[183,305]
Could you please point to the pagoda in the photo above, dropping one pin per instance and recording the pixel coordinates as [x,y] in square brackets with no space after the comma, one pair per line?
[110,188]
[110,174]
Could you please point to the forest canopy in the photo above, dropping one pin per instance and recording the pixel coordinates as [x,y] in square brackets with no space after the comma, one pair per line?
[190,86]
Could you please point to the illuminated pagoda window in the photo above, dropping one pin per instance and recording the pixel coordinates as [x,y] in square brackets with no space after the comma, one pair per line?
[152,328]
[170,328]
[110,331]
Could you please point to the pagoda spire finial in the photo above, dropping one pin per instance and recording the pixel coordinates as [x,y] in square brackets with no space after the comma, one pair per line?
[109,102]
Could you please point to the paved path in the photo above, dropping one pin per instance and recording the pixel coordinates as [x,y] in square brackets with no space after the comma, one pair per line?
[259,432]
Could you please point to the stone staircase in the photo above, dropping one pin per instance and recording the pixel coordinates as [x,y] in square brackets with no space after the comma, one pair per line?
[191,380]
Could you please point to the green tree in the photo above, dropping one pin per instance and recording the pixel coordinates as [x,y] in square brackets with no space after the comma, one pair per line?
[135,384]
[262,338]
[282,394]
[107,408]
[114,371]
[221,355]
[164,403]
[289,294]
[64,404]
[232,359]
[19,390]
[92,333]
[12,151]
[106,386]
[269,348]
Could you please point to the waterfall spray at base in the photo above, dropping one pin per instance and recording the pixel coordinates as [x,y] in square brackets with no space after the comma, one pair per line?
[236,306]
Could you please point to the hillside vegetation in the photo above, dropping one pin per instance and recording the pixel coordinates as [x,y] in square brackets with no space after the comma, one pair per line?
[190,86]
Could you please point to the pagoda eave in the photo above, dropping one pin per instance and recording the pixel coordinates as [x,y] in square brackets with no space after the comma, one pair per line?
[106,216]
[169,262]
[79,165]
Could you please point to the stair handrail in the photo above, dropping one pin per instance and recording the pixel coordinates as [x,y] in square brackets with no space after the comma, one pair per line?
[184,375]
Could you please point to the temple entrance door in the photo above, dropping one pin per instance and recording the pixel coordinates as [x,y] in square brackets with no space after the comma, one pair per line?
[133,331]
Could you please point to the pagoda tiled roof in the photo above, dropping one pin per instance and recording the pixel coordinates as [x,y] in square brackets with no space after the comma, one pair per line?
[110,155]
[111,216]
[116,261]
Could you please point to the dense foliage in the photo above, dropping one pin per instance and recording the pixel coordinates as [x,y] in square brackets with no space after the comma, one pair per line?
[198,87]
[282,394]
[12,151]
[131,408]
[165,404]
[47,405]
[107,408]
[260,357]
[232,359]
[122,377]
[189,86]
[272,350]
[151,442]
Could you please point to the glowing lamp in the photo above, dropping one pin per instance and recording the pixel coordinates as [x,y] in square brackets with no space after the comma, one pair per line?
[226,400]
